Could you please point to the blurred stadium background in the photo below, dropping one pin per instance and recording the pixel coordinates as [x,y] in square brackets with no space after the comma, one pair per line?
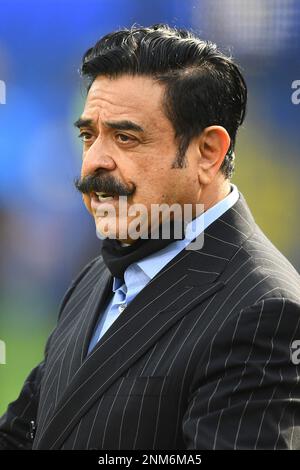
[46,235]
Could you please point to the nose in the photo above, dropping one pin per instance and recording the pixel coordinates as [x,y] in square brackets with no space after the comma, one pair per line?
[95,158]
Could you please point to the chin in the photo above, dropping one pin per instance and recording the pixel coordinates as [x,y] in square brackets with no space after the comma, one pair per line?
[112,229]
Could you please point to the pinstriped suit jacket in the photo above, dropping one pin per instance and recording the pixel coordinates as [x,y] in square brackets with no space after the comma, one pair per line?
[199,360]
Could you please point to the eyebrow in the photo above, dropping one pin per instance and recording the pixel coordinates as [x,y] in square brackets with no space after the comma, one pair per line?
[83,123]
[124,125]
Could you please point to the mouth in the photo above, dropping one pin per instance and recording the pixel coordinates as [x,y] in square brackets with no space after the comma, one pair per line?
[104,197]
[99,200]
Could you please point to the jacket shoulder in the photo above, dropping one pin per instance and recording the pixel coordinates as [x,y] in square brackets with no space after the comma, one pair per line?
[277,276]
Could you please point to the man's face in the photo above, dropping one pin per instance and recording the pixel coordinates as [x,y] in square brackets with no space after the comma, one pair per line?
[128,139]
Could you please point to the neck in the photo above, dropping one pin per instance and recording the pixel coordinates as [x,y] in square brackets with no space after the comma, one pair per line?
[215,193]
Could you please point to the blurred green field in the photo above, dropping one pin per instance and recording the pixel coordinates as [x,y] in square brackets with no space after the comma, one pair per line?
[25,342]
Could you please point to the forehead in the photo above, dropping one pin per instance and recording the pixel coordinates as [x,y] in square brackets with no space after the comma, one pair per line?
[127,97]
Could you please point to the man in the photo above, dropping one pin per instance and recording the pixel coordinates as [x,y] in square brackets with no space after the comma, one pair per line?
[166,342]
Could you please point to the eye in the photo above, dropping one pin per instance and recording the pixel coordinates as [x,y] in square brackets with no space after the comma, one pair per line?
[124,138]
[85,136]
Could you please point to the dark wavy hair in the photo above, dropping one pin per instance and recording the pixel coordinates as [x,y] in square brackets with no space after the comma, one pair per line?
[203,86]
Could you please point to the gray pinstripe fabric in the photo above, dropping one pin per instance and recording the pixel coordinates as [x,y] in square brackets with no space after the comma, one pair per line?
[200,359]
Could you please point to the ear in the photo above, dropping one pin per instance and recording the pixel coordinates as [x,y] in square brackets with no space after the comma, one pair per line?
[213,145]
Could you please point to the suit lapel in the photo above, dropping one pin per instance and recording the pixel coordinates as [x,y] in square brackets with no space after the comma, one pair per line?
[96,303]
[186,281]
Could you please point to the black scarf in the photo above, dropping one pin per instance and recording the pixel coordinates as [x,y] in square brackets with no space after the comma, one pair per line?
[117,257]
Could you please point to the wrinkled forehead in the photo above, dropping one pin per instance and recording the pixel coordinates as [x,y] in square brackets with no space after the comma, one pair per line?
[128,97]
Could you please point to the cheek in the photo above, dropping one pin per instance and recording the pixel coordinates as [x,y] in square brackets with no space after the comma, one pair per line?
[153,183]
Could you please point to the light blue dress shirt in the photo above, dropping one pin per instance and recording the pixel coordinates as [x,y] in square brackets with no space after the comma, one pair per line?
[138,274]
